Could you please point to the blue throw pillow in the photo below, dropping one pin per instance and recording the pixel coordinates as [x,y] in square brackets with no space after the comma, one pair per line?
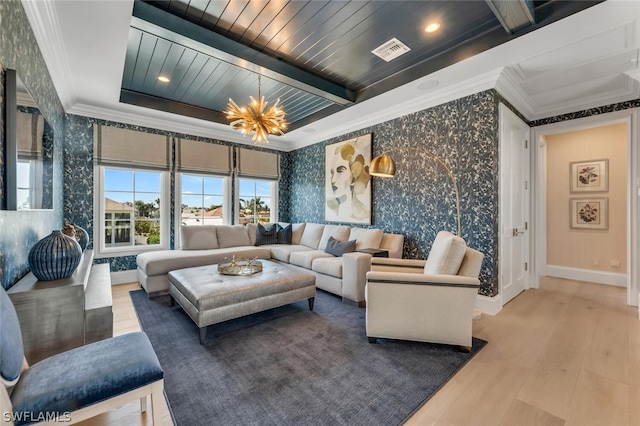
[285,234]
[267,235]
[338,248]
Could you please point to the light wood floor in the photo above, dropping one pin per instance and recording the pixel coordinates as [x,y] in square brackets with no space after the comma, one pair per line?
[565,354]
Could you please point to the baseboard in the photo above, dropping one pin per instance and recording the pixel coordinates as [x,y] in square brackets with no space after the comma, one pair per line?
[489,305]
[599,277]
[124,277]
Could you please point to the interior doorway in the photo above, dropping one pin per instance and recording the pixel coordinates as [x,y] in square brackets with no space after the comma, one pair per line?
[586,227]
[514,205]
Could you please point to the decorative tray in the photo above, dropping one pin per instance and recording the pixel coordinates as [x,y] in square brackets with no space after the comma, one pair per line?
[240,267]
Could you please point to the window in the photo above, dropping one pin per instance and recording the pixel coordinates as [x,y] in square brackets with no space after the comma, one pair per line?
[132,214]
[257,201]
[202,200]
[26,183]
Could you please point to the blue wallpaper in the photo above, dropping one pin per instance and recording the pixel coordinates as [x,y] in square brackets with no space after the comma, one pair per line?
[20,230]
[587,113]
[420,201]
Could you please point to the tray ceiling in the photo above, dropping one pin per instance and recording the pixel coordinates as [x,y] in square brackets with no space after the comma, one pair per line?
[316,56]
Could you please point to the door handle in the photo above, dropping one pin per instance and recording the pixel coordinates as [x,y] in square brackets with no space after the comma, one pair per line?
[516,232]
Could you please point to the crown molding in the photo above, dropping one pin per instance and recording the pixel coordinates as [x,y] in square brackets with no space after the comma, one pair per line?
[630,92]
[206,130]
[507,85]
[43,19]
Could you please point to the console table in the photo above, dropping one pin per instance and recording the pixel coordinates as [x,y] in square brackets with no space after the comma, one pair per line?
[59,315]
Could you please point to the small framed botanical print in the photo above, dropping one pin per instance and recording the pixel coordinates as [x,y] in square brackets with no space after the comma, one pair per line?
[588,213]
[589,176]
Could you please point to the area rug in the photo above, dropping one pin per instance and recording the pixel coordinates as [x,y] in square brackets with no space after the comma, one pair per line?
[291,366]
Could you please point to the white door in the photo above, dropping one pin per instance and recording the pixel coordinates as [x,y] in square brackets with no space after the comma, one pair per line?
[514,205]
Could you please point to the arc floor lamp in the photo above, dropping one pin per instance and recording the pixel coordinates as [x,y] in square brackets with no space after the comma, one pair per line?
[384,166]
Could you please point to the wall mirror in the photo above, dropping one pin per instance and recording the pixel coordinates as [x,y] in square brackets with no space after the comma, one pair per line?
[28,150]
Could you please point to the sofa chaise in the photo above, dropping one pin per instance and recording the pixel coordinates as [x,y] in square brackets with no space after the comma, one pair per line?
[343,275]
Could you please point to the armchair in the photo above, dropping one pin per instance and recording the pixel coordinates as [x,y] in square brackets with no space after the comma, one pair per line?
[72,386]
[425,300]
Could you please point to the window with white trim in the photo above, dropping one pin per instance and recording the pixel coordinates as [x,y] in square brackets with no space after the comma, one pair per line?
[257,201]
[202,199]
[132,210]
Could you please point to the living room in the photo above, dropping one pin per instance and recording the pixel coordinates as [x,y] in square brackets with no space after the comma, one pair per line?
[461,126]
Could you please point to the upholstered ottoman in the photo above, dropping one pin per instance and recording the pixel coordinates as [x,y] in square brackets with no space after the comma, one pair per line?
[209,297]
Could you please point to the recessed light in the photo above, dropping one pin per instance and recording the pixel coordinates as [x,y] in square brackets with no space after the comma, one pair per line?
[164,79]
[432,27]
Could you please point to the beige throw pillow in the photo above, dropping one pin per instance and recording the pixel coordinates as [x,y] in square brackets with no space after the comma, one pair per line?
[446,254]
[366,238]
[339,232]
[198,237]
[232,236]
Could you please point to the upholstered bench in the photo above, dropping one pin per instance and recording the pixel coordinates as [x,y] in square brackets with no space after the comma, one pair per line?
[209,297]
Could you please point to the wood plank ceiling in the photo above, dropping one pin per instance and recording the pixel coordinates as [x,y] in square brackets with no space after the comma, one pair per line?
[313,55]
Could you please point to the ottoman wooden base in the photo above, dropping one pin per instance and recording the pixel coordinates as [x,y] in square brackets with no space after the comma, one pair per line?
[210,298]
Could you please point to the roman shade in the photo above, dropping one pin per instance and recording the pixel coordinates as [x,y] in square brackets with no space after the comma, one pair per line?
[258,164]
[30,134]
[123,147]
[202,157]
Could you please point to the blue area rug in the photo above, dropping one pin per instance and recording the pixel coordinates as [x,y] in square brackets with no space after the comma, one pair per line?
[291,366]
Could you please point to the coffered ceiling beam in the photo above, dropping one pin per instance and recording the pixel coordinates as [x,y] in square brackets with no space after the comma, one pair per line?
[514,15]
[173,28]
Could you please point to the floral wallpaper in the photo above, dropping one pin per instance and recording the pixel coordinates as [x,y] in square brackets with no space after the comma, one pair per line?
[587,113]
[20,230]
[420,200]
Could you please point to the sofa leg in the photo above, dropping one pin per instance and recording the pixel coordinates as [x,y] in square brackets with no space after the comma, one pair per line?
[172,301]
[203,334]
[465,349]
[373,340]
[311,300]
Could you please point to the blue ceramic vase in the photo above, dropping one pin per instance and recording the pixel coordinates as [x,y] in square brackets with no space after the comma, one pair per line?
[54,257]
[82,236]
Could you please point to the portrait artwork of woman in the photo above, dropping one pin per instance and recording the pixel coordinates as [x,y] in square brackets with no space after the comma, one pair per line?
[348,189]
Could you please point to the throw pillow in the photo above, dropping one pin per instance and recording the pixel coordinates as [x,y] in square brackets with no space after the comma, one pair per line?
[267,235]
[194,237]
[338,248]
[285,234]
[232,236]
[446,254]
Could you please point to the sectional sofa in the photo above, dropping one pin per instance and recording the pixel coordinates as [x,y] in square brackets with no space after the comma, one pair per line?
[343,275]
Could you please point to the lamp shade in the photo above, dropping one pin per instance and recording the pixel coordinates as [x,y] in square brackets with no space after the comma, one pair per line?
[382,166]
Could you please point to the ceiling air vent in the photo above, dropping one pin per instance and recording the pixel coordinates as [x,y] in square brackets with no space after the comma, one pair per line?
[391,49]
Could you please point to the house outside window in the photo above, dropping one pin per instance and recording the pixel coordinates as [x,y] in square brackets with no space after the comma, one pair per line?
[202,200]
[132,212]
[257,201]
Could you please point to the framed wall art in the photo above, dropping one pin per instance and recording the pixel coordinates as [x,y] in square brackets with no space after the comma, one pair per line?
[589,176]
[589,213]
[347,181]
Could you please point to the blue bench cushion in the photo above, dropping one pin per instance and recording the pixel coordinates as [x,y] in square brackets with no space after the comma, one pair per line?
[87,375]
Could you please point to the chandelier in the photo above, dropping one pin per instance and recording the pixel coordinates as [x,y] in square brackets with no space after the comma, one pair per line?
[256,118]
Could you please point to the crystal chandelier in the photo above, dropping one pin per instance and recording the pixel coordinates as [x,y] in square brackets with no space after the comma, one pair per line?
[257,118]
